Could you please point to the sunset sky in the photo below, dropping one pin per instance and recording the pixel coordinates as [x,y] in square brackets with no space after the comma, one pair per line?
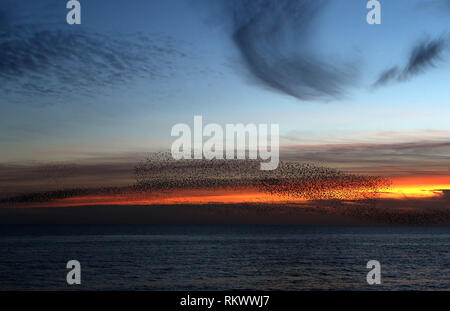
[365,99]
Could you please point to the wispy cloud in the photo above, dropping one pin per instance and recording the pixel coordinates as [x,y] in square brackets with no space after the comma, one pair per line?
[398,158]
[387,76]
[273,39]
[46,61]
[423,56]
[50,62]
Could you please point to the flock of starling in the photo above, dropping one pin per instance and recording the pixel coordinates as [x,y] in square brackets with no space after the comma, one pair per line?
[291,180]
[320,189]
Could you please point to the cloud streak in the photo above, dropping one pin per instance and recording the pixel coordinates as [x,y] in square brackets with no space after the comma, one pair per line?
[400,158]
[59,63]
[44,61]
[423,56]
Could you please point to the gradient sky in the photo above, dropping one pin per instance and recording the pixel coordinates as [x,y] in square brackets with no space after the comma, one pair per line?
[82,105]
[144,66]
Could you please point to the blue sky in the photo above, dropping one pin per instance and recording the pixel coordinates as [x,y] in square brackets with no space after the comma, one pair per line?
[142,67]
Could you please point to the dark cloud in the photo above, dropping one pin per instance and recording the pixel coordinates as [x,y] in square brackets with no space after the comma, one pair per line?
[63,62]
[273,38]
[445,194]
[420,211]
[410,211]
[387,76]
[189,214]
[39,61]
[423,56]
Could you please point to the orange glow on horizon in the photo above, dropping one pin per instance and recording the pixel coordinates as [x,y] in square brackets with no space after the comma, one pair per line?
[220,196]
[418,186]
[401,188]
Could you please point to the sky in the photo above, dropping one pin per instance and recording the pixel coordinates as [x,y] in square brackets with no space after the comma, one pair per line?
[370,99]
[187,61]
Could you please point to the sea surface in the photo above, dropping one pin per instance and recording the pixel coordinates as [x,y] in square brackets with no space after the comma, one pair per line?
[139,257]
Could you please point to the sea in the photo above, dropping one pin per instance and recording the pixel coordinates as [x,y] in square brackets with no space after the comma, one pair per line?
[190,258]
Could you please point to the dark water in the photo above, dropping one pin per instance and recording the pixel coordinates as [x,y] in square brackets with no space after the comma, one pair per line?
[223,257]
